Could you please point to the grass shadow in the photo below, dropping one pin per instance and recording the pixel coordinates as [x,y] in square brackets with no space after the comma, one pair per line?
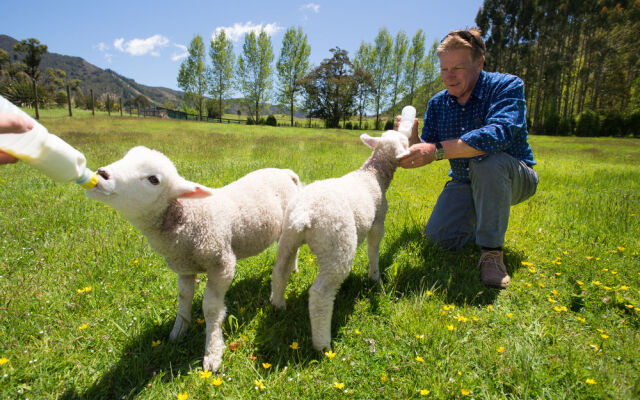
[453,272]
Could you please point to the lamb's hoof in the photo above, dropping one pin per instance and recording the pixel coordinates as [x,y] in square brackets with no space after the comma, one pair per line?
[179,329]
[211,363]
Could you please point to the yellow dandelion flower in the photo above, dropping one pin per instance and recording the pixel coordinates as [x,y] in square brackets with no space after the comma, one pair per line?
[558,273]
[614,272]
[489,307]
[424,392]
[419,336]
[80,291]
[451,327]
[465,392]
[428,292]
[183,396]
[540,284]
[510,315]
[419,359]
[135,261]
[448,307]
[624,287]
[551,300]
[338,385]
[590,381]
[476,319]
[294,345]
[383,378]
[629,306]
[200,321]
[532,270]
[266,365]
[500,350]
[330,354]
[580,283]
[620,248]
[560,309]
[205,374]
[527,284]
[604,336]
[607,287]
[595,347]
[83,326]
[581,319]
[596,283]
[565,252]
[217,381]
[3,360]
[357,332]
[526,263]
[555,292]
[589,257]
[155,343]
[259,384]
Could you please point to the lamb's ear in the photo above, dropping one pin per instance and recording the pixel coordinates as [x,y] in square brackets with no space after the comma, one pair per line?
[187,189]
[369,141]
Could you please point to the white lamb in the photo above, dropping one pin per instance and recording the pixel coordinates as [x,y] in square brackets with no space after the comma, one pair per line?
[333,217]
[197,229]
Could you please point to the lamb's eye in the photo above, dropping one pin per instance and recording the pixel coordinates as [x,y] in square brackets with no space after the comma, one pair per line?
[153,180]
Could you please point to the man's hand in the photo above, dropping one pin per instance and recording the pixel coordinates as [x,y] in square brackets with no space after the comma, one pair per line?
[414,138]
[13,123]
[419,154]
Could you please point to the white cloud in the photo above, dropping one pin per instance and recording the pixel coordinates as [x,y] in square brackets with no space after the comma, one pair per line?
[177,56]
[103,48]
[140,47]
[311,6]
[238,30]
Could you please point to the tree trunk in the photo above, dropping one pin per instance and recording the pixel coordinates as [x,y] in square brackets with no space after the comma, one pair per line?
[93,110]
[35,95]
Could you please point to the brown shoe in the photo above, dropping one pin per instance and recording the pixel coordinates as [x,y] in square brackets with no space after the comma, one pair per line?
[493,272]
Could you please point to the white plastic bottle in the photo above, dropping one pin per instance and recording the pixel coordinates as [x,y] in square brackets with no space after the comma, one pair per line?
[46,152]
[406,120]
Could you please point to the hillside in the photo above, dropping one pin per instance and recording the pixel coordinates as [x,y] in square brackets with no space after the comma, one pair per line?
[98,79]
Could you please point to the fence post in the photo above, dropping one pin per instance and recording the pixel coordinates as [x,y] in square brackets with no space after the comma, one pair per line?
[121,106]
[69,100]
[93,110]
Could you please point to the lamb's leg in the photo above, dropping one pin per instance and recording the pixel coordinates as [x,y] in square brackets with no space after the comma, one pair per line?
[186,289]
[287,261]
[321,298]
[373,246]
[218,281]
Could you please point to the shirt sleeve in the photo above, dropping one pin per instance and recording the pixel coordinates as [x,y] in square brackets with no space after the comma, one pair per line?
[505,119]
[429,133]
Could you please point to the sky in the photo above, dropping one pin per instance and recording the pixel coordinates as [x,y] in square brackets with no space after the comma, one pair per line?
[147,40]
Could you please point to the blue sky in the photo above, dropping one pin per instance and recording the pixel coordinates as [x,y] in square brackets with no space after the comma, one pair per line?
[146,40]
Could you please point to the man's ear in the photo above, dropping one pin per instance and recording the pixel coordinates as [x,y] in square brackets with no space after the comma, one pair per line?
[369,141]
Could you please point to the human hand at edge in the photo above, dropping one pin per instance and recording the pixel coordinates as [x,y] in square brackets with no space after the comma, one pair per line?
[419,154]
[13,123]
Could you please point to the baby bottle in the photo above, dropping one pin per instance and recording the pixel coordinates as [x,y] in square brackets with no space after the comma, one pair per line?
[46,152]
[406,120]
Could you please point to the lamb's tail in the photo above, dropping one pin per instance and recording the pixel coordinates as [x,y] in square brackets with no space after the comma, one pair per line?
[295,178]
[298,218]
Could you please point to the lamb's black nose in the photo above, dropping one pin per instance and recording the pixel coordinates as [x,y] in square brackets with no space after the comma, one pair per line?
[103,173]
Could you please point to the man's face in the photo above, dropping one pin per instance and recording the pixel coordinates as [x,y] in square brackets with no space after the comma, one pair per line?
[460,73]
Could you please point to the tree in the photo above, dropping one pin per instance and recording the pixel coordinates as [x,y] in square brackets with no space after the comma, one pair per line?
[292,65]
[413,70]
[254,71]
[363,79]
[330,89]
[221,71]
[33,51]
[192,77]
[400,45]
[380,55]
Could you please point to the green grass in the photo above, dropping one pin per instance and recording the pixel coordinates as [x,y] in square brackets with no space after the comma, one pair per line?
[429,325]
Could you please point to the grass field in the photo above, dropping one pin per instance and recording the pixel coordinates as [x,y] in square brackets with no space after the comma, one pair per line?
[86,306]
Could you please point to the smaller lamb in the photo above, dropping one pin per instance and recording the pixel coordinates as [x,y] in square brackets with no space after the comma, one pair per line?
[197,229]
[333,217]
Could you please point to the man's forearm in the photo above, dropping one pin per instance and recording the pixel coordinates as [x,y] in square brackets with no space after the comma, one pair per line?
[456,148]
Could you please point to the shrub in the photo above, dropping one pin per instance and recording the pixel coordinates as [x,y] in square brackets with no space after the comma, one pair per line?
[551,122]
[633,123]
[613,124]
[348,125]
[388,126]
[250,121]
[271,120]
[588,124]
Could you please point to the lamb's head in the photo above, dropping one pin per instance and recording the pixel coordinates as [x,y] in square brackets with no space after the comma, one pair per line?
[392,144]
[142,181]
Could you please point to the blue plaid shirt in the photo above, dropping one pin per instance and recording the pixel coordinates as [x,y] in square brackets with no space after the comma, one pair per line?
[492,120]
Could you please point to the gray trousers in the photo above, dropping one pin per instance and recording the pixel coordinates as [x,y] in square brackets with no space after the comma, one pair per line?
[479,210]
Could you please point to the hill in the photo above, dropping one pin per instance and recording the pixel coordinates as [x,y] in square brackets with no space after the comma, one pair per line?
[98,79]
